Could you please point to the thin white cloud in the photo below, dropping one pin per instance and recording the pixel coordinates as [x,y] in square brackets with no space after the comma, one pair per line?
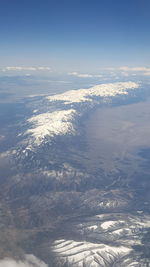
[124,74]
[123,70]
[128,71]
[20,68]
[28,74]
[134,69]
[84,75]
[29,261]
[108,69]
[146,73]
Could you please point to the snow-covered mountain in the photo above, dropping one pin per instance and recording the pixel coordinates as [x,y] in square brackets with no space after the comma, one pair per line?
[69,107]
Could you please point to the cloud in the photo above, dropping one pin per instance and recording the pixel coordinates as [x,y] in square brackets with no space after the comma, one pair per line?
[29,261]
[146,73]
[123,70]
[124,74]
[108,69]
[19,68]
[128,71]
[28,74]
[84,75]
[134,69]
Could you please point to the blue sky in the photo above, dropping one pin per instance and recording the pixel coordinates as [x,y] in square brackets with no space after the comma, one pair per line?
[75,35]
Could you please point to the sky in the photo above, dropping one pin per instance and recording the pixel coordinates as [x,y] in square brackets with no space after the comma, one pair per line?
[74,35]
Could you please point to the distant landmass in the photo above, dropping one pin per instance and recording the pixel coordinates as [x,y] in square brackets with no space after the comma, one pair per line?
[72,198]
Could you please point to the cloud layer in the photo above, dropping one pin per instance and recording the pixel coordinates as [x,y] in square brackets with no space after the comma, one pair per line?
[30,261]
[110,72]
[140,70]
[30,68]
[126,68]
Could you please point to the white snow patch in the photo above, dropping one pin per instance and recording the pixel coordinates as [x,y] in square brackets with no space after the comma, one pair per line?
[59,241]
[35,110]
[122,231]
[100,216]
[108,224]
[144,224]
[118,232]
[51,173]
[92,227]
[134,264]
